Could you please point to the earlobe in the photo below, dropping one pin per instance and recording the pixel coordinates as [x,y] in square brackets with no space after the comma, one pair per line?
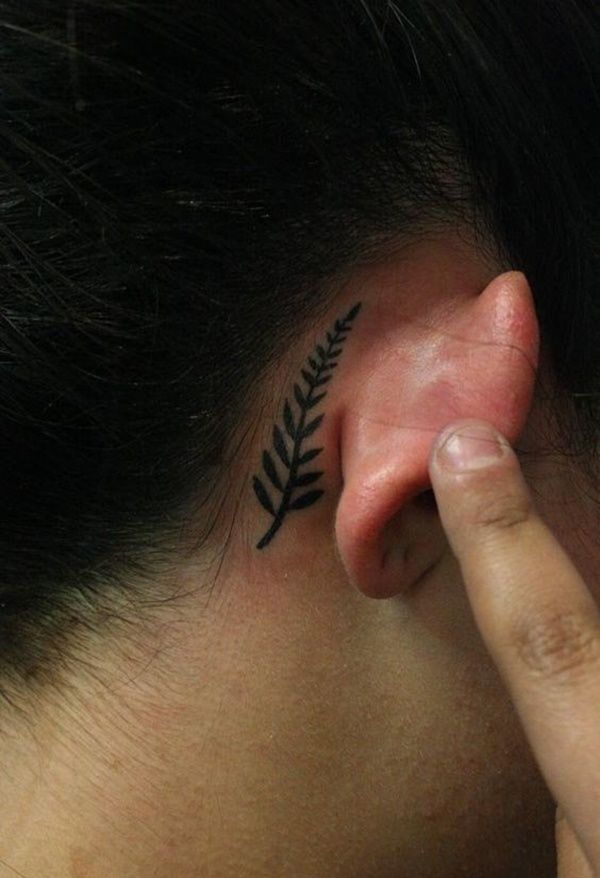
[479,363]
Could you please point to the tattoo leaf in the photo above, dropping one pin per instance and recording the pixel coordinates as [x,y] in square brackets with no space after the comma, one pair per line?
[314,364]
[263,497]
[336,353]
[315,400]
[310,379]
[322,380]
[306,500]
[300,398]
[280,446]
[310,428]
[307,479]
[353,313]
[321,352]
[289,420]
[309,455]
[271,471]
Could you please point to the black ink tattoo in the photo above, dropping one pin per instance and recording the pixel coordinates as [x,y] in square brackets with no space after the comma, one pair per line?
[322,363]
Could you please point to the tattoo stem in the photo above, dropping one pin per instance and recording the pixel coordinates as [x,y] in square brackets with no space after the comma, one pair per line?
[323,360]
[278,520]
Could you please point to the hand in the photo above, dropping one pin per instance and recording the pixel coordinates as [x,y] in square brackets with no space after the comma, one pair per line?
[539,622]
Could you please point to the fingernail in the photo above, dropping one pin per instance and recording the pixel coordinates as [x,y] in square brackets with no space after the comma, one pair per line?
[471,447]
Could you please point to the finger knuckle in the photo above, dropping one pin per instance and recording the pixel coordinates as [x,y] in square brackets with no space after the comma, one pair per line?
[503,512]
[560,646]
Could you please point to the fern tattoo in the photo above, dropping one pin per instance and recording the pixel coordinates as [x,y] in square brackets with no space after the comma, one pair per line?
[295,427]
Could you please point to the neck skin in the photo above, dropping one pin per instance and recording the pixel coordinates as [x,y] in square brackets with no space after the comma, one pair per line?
[140,767]
[180,763]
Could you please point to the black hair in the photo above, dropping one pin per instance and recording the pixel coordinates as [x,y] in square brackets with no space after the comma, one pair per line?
[181,181]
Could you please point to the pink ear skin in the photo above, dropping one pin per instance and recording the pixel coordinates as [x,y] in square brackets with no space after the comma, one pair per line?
[410,381]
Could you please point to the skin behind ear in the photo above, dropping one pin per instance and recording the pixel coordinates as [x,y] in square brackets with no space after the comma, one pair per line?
[477,359]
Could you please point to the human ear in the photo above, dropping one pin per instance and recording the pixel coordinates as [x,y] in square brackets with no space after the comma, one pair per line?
[476,359]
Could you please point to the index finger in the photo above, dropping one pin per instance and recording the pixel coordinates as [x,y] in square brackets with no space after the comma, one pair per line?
[535,613]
